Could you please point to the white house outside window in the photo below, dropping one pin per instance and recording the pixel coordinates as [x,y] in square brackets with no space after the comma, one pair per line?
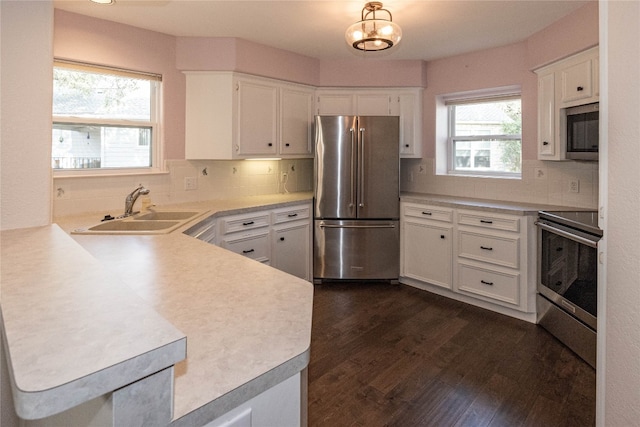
[485,136]
[104,119]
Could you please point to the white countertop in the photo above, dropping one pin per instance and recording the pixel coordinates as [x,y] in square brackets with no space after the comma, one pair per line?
[247,325]
[497,206]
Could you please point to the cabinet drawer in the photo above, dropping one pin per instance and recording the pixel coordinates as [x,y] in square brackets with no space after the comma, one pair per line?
[232,224]
[428,212]
[294,213]
[494,249]
[489,221]
[489,283]
[255,246]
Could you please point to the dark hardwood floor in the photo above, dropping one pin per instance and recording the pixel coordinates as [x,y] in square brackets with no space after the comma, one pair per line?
[386,355]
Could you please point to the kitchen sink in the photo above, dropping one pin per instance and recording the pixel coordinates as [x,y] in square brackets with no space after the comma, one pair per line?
[153,222]
[166,216]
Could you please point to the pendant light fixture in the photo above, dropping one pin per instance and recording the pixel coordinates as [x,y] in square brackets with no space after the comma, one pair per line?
[373,33]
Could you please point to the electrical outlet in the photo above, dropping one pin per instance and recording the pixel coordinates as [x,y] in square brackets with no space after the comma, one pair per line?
[574,186]
[539,173]
[190,183]
[422,169]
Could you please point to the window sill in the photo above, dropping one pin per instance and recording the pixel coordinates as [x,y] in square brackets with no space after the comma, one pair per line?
[106,173]
[479,175]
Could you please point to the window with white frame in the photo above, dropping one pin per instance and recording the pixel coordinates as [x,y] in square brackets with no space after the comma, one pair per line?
[485,135]
[104,119]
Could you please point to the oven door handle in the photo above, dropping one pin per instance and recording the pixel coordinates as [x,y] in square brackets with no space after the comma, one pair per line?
[568,235]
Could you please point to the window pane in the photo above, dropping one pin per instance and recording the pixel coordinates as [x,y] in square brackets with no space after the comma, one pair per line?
[95,115]
[99,146]
[486,137]
[96,95]
[488,118]
[502,156]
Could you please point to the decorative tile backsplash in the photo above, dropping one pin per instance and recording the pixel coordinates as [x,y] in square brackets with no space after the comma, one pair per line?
[219,179]
[542,182]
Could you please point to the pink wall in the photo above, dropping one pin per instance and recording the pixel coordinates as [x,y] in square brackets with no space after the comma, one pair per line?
[92,40]
[573,33]
[372,73]
[231,54]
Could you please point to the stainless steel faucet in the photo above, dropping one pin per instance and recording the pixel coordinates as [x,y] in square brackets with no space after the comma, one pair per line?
[131,200]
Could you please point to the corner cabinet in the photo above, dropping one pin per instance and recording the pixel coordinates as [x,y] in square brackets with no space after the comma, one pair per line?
[279,237]
[479,257]
[566,83]
[405,103]
[234,116]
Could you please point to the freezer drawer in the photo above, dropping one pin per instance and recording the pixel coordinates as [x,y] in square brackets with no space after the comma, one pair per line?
[347,249]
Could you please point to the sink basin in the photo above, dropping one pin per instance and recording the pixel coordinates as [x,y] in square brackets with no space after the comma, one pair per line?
[166,216]
[133,226]
[128,226]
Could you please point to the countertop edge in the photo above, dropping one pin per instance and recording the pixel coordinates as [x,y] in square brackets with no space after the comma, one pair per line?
[495,206]
[244,392]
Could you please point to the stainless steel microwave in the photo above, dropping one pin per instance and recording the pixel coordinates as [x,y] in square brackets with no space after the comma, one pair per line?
[582,139]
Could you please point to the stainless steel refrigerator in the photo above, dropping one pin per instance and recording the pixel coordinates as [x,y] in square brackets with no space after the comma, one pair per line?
[357,198]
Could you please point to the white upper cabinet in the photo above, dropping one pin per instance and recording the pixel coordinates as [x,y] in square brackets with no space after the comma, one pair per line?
[257,116]
[405,103]
[296,117]
[567,83]
[232,116]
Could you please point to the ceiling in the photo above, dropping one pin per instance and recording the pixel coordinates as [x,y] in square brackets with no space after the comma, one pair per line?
[315,28]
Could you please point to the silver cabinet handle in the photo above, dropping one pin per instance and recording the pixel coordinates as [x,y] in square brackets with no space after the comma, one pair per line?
[361,165]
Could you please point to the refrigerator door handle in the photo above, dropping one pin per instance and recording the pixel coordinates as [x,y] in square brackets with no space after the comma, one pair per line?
[353,169]
[322,225]
[361,166]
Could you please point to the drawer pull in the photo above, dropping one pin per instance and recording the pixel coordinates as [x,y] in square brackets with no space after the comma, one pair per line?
[248,223]
[442,236]
[270,144]
[559,249]
[248,252]
[287,144]
[486,283]
[486,221]
[545,142]
[292,215]
[486,248]
[282,239]
[579,88]
[427,213]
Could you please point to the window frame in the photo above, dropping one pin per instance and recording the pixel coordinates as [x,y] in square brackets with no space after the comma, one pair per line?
[449,102]
[154,123]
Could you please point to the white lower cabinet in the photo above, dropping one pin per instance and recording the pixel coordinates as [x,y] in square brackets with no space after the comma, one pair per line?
[291,240]
[427,244]
[278,237]
[483,258]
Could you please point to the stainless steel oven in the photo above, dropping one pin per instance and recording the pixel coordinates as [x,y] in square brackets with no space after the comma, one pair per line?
[567,302]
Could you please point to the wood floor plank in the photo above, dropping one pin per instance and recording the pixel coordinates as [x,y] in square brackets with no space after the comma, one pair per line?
[385,355]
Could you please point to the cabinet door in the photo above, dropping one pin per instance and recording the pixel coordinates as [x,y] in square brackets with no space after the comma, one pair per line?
[296,115]
[546,117]
[290,249]
[410,125]
[427,253]
[373,104]
[257,118]
[336,104]
[577,82]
